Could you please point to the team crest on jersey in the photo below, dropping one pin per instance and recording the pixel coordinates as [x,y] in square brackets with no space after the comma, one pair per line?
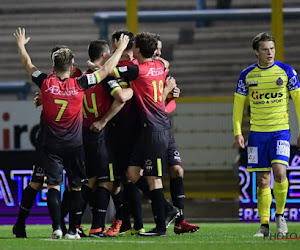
[253,83]
[279,82]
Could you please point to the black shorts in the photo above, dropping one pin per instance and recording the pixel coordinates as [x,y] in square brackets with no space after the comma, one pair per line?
[71,159]
[38,174]
[97,158]
[153,151]
[173,153]
[121,141]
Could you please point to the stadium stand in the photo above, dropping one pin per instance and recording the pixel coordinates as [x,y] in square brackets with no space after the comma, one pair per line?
[205,60]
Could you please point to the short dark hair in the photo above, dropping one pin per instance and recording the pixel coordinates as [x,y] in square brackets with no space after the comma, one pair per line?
[116,36]
[62,59]
[146,42]
[261,37]
[96,48]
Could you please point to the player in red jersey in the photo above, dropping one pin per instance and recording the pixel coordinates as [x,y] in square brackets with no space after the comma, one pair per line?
[37,178]
[62,121]
[101,102]
[122,133]
[176,172]
[66,195]
[151,150]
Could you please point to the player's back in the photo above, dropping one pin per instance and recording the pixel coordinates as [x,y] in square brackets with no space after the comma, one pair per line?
[62,115]
[148,89]
[96,102]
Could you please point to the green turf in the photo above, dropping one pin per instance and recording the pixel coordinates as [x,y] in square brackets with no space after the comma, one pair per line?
[210,236]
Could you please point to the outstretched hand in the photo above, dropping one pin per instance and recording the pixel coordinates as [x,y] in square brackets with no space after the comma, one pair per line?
[20,35]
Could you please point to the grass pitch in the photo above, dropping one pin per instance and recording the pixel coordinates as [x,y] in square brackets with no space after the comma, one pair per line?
[210,236]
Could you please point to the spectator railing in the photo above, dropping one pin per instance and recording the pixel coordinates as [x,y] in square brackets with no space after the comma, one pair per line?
[19,88]
[104,18]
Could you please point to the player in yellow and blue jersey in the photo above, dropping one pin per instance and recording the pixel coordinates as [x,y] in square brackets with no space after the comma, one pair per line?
[268,84]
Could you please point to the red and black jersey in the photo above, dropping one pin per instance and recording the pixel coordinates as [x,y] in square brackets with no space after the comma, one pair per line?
[62,108]
[98,99]
[148,81]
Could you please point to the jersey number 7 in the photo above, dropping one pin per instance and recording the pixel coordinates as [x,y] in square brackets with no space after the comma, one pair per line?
[64,104]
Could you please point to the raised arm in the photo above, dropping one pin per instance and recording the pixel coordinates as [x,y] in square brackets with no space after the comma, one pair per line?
[21,41]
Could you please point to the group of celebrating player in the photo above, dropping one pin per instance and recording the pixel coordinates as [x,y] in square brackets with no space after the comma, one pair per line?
[109,129]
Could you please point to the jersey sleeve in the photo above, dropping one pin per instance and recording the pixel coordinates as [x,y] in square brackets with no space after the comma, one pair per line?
[127,72]
[294,88]
[38,78]
[293,83]
[241,87]
[171,105]
[240,96]
[88,80]
[296,98]
[238,110]
[111,85]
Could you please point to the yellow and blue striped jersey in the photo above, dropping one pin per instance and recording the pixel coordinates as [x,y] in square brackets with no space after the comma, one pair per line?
[268,90]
